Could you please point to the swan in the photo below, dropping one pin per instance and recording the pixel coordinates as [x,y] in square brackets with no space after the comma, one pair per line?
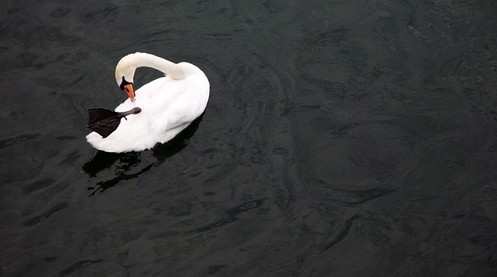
[168,104]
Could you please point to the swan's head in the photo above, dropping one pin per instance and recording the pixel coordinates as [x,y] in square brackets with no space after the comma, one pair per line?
[128,87]
[125,71]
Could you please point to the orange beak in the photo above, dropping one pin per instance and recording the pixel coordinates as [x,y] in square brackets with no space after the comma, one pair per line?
[130,91]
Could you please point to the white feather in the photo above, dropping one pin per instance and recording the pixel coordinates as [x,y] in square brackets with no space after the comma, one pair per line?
[167,105]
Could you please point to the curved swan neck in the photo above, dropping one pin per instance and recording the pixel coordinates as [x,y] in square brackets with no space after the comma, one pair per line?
[128,64]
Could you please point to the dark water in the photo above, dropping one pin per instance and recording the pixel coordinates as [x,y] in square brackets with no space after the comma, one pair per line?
[342,138]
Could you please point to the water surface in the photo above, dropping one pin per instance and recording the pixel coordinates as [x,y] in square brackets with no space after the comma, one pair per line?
[342,138]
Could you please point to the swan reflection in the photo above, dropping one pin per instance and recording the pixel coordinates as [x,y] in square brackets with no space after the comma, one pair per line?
[116,167]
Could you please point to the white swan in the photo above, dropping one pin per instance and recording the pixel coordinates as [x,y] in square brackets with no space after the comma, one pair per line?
[168,104]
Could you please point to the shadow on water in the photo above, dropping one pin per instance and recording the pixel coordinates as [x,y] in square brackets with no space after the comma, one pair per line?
[122,164]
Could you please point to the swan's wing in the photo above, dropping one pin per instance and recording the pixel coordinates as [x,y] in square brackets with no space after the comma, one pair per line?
[171,116]
[103,121]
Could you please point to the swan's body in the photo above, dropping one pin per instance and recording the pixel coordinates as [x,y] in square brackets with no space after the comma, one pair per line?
[168,104]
